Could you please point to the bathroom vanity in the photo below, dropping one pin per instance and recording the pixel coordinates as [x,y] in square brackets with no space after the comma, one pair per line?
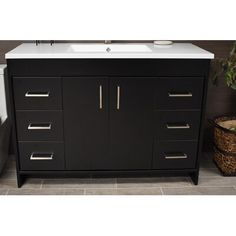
[107,110]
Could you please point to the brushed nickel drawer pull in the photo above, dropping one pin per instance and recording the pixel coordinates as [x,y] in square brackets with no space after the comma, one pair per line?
[118,98]
[176,156]
[37,94]
[47,126]
[41,156]
[176,126]
[100,97]
[179,95]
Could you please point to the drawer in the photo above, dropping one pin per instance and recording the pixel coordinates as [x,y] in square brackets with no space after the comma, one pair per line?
[174,155]
[36,93]
[39,125]
[177,125]
[178,93]
[41,156]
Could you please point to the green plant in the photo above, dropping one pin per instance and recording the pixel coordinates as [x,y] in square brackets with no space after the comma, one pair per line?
[227,68]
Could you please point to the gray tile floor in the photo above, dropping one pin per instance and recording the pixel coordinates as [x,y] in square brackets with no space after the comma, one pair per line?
[210,183]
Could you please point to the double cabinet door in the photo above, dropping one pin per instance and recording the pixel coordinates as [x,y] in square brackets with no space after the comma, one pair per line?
[108,123]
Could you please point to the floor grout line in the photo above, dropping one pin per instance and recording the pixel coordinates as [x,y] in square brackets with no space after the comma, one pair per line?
[162,192]
[41,185]
[201,187]
[134,187]
[104,187]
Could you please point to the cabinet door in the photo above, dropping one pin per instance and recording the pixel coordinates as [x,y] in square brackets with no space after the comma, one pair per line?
[131,106]
[85,102]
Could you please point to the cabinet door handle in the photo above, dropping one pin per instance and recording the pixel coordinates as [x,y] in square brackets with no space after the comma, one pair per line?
[41,156]
[38,126]
[176,156]
[118,98]
[177,126]
[179,95]
[100,97]
[37,94]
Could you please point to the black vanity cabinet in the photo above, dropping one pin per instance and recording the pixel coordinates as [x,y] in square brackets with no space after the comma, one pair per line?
[130,126]
[103,117]
[107,123]
[85,102]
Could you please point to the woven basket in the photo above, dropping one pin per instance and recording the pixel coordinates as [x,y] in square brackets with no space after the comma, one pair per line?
[225,144]
[225,139]
[226,162]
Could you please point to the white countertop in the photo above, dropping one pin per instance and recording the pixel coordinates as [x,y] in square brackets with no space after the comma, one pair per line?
[2,67]
[80,50]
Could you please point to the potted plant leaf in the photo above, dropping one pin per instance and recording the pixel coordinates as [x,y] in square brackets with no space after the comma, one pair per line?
[225,126]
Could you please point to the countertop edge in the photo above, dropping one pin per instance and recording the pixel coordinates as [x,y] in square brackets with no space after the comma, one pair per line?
[114,56]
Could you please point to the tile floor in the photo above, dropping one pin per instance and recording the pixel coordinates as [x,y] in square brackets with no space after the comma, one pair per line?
[210,183]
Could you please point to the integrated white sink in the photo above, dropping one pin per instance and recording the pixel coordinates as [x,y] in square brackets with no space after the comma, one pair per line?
[109,51]
[110,48]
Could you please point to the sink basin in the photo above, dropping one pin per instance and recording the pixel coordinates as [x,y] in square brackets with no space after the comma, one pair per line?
[110,48]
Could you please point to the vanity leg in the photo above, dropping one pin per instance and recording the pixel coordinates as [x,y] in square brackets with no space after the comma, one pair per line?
[194,176]
[20,180]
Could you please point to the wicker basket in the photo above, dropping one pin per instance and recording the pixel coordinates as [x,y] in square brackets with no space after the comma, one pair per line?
[226,162]
[225,144]
[225,139]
